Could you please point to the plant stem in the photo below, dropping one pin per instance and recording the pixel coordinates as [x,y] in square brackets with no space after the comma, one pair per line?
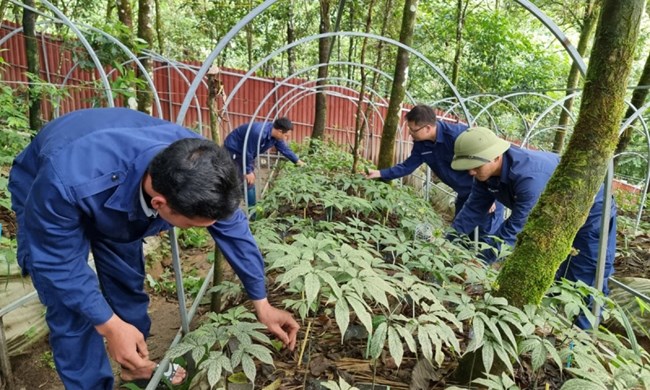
[304,343]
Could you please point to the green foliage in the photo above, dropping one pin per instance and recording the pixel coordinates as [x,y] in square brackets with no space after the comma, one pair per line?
[194,237]
[47,359]
[166,284]
[498,382]
[231,340]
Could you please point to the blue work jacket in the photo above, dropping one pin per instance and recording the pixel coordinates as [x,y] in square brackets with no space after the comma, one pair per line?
[258,131]
[79,180]
[437,155]
[524,175]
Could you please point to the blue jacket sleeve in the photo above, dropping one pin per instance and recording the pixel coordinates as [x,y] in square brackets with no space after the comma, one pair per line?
[234,238]
[59,250]
[286,151]
[475,210]
[527,191]
[251,144]
[402,169]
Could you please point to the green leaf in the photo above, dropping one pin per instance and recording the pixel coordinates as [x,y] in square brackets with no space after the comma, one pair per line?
[488,356]
[342,316]
[312,286]
[395,346]
[538,356]
[378,340]
[260,353]
[361,311]
[504,357]
[479,331]
[248,366]
[408,338]
[296,272]
[581,384]
[425,343]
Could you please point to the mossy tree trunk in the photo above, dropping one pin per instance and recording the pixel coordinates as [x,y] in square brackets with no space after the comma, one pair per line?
[387,146]
[589,20]
[33,65]
[563,207]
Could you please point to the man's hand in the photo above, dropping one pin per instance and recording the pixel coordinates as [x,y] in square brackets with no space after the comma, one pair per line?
[125,343]
[493,208]
[300,163]
[250,178]
[372,174]
[279,322]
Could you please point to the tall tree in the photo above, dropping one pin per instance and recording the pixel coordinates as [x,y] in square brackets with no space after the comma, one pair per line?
[360,123]
[563,207]
[33,66]
[291,37]
[145,32]
[461,11]
[324,46]
[125,13]
[387,146]
[159,28]
[588,26]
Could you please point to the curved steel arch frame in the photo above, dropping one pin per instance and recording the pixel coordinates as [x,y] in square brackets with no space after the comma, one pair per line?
[351,34]
[316,66]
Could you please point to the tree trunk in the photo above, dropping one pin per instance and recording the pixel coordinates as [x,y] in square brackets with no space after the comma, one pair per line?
[214,90]
[33,65]
[291,37]
[125,13]
[145,32]
[460,25]
[351,47]
[249,38]
[359,127]
[589,21]
[638,100]
[563,207]
[159,27]
[387,147]
[320,111]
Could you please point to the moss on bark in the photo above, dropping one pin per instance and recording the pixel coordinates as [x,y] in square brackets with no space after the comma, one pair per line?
[564,206]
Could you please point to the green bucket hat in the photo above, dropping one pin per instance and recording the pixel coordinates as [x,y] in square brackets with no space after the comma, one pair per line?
[475,147]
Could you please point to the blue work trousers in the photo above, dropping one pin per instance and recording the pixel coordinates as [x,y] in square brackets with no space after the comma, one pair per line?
[583,266]
[250,189]
[79,351]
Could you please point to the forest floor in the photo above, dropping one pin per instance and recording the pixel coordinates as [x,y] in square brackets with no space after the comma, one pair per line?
[34,370]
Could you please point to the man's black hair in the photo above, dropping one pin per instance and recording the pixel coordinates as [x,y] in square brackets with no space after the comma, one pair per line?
[197,178]
[283,124]
[421,114]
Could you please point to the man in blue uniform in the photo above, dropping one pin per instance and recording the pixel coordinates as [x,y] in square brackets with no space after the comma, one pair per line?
[517,177]
[100,180]
[261,137]
[433,144]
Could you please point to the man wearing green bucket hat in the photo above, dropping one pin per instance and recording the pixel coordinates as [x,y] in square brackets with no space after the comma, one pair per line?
[433,144]
[516,177]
